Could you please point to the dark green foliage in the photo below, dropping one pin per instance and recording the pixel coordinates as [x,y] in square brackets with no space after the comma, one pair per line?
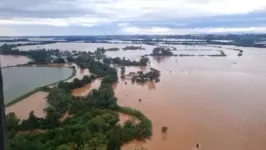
[126,62]
[92,123]
[161,51]
[98,68]
[152,75]
[123,70]
[114,142]
[133,48]
[131,131]
[11,121]
[76,83]
[40,56]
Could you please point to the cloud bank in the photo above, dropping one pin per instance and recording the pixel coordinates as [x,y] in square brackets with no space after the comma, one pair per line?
[131,16]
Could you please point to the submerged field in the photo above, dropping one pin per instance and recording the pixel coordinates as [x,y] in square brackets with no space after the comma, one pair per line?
[218,102]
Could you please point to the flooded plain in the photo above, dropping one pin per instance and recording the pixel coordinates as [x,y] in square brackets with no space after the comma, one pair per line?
[218,102]
[11,60]
[37,101]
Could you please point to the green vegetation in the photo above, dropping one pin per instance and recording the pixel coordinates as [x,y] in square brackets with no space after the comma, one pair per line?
[40,56]
[125,62]
[133,48]
[161,51]
[76,83]
[92,123]
[152,75]
[123,71]
[108,49]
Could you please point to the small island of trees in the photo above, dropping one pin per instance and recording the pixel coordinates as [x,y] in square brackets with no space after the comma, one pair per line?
[152,75]
[161,51]
[133,48]
[108,49]
[126,62]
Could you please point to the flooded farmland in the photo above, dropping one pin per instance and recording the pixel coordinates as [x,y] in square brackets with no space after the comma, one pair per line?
[218,102]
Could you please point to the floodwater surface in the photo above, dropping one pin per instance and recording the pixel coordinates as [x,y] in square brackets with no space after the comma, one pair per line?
[37,101]
[217,102]
[20,80]
[10,60]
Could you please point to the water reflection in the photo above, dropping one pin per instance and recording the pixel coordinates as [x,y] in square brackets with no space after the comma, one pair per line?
[160,59]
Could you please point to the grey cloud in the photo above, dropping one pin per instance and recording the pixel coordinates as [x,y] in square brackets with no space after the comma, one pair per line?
[42,9]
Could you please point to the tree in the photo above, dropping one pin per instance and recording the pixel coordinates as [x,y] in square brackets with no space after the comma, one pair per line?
[114,142]
[164,129]
[161,51]
[123,70]
[11,121]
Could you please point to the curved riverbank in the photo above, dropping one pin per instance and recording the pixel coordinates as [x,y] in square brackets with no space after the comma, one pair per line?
[41,88]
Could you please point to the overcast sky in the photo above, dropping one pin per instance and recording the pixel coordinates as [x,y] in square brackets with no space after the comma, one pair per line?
[101,17]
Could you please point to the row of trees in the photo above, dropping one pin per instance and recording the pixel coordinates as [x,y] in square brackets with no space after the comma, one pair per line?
[77,83]
[39,56]
[126,62]
[133,48]
[108,49]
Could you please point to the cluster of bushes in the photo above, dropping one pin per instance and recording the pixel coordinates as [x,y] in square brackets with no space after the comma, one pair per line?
[152,75]
[68,86]
[161,51]
[133,48]
[98,68]
[107,49]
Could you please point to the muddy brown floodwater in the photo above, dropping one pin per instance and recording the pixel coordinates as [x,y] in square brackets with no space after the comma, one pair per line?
[216,102]
[36,102]
[10,60]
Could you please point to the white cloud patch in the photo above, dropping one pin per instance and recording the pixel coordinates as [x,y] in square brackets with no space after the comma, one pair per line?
[124,14]
[171,31]
[65,11]
[83,21]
